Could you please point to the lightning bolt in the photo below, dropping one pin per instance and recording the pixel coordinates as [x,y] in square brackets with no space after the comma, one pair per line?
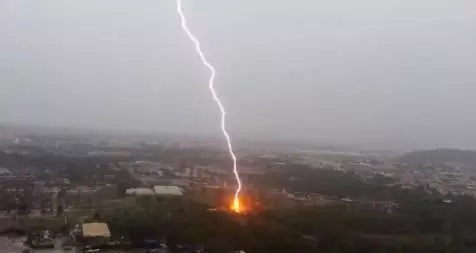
[211,81]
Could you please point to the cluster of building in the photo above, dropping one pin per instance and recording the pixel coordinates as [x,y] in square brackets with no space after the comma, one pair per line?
[446,179]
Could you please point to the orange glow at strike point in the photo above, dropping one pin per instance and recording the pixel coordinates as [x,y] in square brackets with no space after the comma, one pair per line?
[240,205]
[236,207]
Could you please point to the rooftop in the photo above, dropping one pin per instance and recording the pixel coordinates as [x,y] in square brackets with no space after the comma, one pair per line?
[168,190]
[140,191]
[96,230]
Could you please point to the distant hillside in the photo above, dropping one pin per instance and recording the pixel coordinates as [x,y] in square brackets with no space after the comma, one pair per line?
[439,156]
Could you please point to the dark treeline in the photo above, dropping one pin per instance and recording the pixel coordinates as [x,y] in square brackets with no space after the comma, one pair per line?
[427,227]
[301,178]
[181,222]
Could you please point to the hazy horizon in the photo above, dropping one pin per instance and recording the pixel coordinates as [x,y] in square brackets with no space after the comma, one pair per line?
[373,71]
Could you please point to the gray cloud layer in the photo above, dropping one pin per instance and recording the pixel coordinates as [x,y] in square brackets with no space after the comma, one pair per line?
[347,71]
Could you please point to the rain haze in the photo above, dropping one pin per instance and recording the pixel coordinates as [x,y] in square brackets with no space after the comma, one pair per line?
[400,72]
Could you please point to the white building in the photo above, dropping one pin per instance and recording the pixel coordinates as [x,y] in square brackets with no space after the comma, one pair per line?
[168,190]
[140,192]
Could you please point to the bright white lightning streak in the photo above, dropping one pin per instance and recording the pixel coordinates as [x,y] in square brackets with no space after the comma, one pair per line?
[214,94]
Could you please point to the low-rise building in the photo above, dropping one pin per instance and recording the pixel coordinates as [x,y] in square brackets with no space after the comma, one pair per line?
[140,192]
[95,234]
[168,190]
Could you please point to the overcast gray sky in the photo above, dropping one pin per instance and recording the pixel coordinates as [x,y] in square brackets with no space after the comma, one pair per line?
[343,70]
